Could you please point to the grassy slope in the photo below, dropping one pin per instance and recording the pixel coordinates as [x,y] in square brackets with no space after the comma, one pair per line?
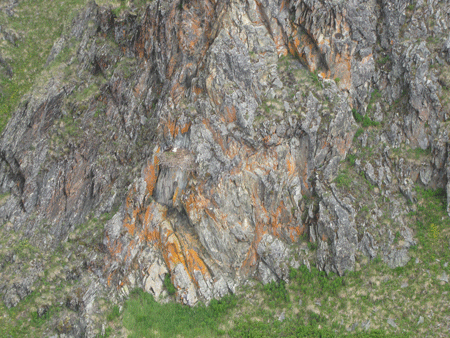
[38,23]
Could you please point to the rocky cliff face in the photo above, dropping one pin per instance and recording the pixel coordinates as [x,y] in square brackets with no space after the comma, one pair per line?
[211,140]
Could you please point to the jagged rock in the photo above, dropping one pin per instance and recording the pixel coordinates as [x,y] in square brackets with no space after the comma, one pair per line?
[396,258]
[367,246]
[446,49]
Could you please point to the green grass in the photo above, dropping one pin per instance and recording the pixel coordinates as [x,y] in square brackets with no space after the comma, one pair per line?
[13,325]
[315,79]
[343,179]
[364,120]
[115,313]
[433,225]
[169,285]
[351,158]
[277,293]
[374,96]
[144,317]
[383,60]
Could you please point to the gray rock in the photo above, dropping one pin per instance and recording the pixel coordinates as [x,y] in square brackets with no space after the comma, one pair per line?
[353,327]
[396,258]
[444,277]
[392,323]
[365,325]
[421,320]
[282,317]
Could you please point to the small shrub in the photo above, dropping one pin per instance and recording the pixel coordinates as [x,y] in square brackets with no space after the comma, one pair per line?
[364,120]
[373,97]
[357,116]
[367,122]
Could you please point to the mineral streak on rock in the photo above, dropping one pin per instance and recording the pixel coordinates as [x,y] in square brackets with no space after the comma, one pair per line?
[215,148]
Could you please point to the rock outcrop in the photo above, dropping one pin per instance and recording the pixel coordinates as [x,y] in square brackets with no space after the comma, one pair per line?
[214,134]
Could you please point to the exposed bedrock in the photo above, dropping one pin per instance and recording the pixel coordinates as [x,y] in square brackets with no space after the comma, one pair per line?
[214,134]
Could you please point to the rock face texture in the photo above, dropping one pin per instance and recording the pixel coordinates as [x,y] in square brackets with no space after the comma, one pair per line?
[215,134]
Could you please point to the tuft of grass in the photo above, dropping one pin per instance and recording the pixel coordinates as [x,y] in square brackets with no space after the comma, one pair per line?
[315,78]
[383,60]
[343,179]
[411,6]
[351,159]
[169,285]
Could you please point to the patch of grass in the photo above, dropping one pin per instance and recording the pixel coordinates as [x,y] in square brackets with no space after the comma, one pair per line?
[367,122]
[277,293]
[373,97]
[4,197]
[169,285]
[343,179]
[358,133]
[315,78]
[383,60]
[146,318]
[115,313]
[433,39]
[432,224]
[315,282]
[357,116]
[418,153]
[351,158]
[364,120]
[24,249]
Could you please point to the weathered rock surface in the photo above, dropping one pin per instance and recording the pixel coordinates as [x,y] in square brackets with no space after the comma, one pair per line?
[199,128]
